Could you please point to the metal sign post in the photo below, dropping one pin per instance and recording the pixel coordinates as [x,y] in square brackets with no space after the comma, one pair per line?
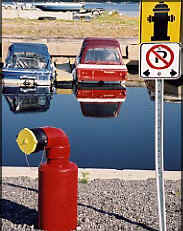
[160,61]
[159,159]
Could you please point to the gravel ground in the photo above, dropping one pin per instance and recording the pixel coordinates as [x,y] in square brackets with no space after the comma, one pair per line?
[103,205]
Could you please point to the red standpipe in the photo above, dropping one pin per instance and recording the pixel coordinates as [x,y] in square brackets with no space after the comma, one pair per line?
[58,177]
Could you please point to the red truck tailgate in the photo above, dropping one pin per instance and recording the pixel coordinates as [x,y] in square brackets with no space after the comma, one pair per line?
[86,72]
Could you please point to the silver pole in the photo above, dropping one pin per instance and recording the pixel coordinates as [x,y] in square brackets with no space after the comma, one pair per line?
[159,160]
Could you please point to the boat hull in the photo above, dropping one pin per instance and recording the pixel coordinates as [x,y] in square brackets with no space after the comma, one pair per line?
[64,7]
[26,78]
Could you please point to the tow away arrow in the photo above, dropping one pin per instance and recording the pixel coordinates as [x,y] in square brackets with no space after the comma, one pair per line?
[172,73]
[146,73]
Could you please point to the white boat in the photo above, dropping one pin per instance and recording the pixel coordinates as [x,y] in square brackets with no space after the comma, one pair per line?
[60,6]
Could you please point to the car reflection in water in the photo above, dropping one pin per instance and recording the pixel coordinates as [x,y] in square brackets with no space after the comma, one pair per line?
[173,90]
[36,99]
[100,101]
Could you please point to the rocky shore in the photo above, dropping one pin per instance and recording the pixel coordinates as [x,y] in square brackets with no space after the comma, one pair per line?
[103,204]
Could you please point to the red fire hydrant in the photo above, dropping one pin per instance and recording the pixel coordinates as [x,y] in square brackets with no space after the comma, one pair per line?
[58,177]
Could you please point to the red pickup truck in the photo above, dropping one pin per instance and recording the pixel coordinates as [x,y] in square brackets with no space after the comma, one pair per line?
[100,59]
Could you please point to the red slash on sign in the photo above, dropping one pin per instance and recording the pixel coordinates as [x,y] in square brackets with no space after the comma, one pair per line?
[166,51]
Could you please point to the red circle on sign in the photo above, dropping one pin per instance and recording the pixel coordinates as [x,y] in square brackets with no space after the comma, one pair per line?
[152,50]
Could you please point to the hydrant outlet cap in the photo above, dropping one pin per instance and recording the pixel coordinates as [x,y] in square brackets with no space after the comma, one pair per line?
[27,141]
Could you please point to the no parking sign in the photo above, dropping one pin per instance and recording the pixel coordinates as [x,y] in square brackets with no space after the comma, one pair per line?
[161,60]
[161,36]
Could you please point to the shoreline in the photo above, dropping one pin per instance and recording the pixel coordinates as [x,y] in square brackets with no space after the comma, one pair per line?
[93,173]
[72,46]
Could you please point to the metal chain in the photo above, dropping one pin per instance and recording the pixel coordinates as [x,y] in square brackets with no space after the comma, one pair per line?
[29,166]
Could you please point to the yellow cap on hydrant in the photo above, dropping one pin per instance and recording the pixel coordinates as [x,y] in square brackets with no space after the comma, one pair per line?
[27,141]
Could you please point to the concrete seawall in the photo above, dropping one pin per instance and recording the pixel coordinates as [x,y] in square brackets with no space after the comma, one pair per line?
[93,173]
[66,46]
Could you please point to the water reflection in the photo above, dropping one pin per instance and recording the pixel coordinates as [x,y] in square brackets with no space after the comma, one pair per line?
[128,145]
[95,100]
[35,99]
[173,90]
[100,101]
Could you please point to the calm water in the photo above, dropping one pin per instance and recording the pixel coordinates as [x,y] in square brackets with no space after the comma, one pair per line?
[122,142]
[126,8]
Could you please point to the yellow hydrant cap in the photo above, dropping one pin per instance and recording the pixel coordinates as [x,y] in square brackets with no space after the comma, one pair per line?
[27,141]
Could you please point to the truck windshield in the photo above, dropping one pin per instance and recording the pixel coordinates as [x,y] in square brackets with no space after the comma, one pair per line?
[102,55]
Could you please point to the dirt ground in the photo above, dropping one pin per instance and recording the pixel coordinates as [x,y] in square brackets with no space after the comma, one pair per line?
[65,29]
[26,24]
